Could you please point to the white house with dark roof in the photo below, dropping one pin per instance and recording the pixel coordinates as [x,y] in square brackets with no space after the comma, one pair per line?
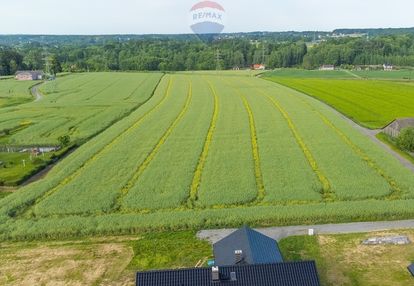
[29,75]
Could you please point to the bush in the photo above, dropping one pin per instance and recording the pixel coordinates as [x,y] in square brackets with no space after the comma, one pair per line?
[406,139]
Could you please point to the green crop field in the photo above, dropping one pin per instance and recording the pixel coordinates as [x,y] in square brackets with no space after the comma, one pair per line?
[211,151]
[78,105]
[14,92]
[371,103]
[301,73]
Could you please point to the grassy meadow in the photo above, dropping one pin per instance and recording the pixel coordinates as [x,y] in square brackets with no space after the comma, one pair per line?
[212,151]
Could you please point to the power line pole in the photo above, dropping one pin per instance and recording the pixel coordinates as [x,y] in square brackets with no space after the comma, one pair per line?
[264,55]
[218,66]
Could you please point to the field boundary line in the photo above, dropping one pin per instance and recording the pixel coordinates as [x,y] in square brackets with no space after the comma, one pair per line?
[327,193]
[94,157]
[143,166]
[396,191]
[195,184]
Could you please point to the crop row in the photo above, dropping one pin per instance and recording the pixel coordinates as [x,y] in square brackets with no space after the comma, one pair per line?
[142,167]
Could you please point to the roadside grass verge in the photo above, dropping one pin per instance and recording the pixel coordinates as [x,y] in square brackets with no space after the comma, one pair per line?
[391,143]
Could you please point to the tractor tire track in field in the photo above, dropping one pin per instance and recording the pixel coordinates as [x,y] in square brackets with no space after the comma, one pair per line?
[105,88]
[261,192]
[195,184]
[396,191]
[135,89]
[326,192]
[142,167]
[106,148]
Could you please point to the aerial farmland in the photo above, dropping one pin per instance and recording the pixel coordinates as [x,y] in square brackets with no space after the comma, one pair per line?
[209,150]
[204,143]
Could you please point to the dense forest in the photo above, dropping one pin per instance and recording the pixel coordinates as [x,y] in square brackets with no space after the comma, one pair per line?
[187,52]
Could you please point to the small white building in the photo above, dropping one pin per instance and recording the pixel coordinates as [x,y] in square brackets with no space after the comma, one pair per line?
[388,67]
[29,75]
[327,68]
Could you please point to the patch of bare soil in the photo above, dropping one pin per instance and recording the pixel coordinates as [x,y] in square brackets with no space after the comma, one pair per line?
[66,264]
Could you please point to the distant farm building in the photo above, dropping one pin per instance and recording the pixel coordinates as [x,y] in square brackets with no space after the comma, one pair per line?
[388,67]
[395,127]
[327,68]
[244,258]
[259,67]
[29,75]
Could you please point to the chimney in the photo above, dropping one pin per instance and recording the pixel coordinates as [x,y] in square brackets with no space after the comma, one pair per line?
[238,256]
[215,274]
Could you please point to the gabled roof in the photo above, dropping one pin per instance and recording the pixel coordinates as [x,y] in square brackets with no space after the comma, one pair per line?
[411,269]
[256,247]
[401,123]
[34,73]
[278,274]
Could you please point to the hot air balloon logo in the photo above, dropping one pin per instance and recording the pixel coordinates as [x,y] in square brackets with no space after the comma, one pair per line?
[207,17]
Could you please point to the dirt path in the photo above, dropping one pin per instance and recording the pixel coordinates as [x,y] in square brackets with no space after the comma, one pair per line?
[279,233]
[351,73]
[36,93]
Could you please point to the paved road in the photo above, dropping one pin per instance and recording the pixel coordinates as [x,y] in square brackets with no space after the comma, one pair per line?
[36,93]
[279,233]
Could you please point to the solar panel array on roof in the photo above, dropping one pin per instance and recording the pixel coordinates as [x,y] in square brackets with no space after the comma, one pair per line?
[411,269]
[256,248]
[277,274]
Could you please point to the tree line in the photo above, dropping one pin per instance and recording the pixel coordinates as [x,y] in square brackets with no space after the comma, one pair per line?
[177,54]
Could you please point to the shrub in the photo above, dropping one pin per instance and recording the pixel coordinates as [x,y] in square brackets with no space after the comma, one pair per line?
[406,139]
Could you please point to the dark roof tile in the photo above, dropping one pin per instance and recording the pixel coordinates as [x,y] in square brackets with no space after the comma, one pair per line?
[277,274]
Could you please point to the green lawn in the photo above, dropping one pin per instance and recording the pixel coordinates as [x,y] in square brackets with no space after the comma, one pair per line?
[370,103]
[343,261]
[12,171]
[170,250]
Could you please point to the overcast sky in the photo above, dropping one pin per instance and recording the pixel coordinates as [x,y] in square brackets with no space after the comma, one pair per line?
[171,16]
